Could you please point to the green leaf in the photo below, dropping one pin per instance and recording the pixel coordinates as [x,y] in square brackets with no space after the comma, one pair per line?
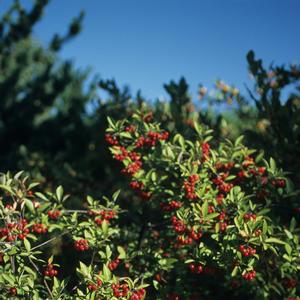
[122,253]
[288,249]
[90,200]
[293,224]
[27,245]
[29,205]
[116,195]
[211,216]
[275,241]
[106,273]
[59,193]
[7,189]
[125,134]
[272,164]
[259,157]
[238,140]
[108,252]
[265,227]
[288,233]
[8,278]
[234,271]
[42,196]
[156,284]
[104,227]
[205,209]
[111,123]
[83,269]
[198,128]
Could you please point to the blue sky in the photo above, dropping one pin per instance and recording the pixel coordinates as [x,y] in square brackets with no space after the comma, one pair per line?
[145,43]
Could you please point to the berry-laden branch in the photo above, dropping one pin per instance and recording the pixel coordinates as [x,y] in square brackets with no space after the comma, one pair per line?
[33,220]
[221,202]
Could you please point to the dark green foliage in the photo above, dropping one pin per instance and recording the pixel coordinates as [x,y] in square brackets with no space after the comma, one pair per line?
[279,117]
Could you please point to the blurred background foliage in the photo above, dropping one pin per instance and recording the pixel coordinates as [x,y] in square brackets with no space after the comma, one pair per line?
[53,120]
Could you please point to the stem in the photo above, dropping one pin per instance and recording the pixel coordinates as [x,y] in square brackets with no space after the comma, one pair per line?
[43,244]
[34,265]
[93,256]
[12,261]
[47,286]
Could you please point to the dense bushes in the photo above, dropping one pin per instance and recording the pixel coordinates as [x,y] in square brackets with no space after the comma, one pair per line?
[33,222]
[211,225]
[211,215]
[200,214]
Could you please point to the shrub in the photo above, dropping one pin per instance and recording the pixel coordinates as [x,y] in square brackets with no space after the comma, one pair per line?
[32,223]
[212,214]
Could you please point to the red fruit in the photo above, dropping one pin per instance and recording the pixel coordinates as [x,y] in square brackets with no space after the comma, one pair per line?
[249,276]
[223,226]
[13,291]
[81,245]
[111,140]
[158,277]
[130,128]
[192,267]
[205,151]
[39,228]
[53,214]
[289,283]
[99,282]
[92,287]
[50,271]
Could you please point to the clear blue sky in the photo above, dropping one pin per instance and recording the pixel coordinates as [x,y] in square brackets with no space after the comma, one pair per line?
[145,43]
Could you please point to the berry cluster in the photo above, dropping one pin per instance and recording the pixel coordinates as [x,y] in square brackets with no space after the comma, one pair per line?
[114,264]
[189,186]
[249,217]
[138,186]
[247,250]
[120,290]
[258,171]
[278,183]
[289,283]
[94,287]
[184,240]
[50,271]
[132,168]
[223,226]
[220,198]
[130,128]
[249,275]
[15,230]
[205,151]
[54,214]
[196,268]
[172,205]
[111,140]
[225,166]
[138,295]
[81,245]
[151,139]
[178,225]
[102,215]
[135,185]
[222,186]
[195,235]
[248,161]
[123,154]
[39,228]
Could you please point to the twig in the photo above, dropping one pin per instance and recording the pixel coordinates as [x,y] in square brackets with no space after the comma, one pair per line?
[43,244]
[47,286]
